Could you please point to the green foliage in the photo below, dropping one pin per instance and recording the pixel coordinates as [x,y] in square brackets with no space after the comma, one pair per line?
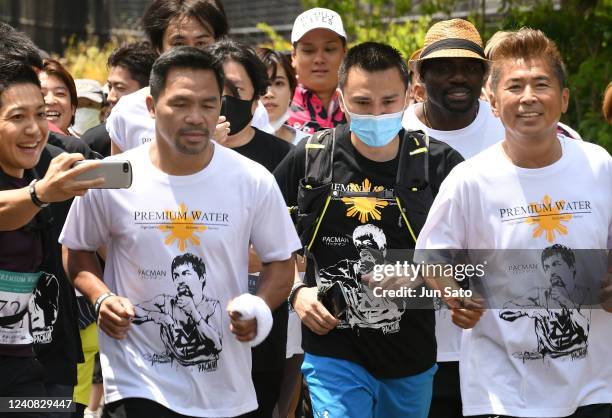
[405,36]
[376,20]
[373,20]
[582,31]
[86,59]
[277,42]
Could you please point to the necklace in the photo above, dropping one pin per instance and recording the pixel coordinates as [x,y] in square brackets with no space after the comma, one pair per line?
[427,122]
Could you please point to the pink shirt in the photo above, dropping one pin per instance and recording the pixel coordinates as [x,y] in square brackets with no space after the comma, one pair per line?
[308,114]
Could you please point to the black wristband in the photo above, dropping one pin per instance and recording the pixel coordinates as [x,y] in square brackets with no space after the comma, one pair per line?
[34,197]
[294,290]
[98,302]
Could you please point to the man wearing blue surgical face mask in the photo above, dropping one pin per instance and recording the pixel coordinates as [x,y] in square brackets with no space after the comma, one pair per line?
[374,107]
[376,358]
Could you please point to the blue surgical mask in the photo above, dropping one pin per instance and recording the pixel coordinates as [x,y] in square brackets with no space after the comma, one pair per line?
[375,131]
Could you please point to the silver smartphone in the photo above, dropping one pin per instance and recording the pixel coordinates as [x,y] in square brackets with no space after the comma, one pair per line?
[117,174]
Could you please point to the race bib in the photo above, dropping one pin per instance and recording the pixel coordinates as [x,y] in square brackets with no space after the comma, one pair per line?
[15,294]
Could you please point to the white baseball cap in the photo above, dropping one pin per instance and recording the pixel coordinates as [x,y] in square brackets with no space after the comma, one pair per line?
[317,18]
[89,89]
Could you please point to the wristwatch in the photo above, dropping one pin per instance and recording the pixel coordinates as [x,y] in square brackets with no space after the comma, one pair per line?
[35,199]
[294,289]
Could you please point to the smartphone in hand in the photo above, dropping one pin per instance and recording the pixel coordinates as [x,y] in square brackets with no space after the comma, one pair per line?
[117,174]
[334,299]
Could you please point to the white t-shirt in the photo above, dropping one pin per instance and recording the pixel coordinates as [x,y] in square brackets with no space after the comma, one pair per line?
[515,366]
[130,125]
[483,132]
[179,351]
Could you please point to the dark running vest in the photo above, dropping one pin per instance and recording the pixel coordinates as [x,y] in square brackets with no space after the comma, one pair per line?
[411,190]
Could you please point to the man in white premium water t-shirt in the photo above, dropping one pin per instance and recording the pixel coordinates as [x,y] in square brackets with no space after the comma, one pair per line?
[545,195]
[178,242]
[168,24]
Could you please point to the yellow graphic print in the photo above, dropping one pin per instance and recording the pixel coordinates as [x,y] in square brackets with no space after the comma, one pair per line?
[182,229]
[549,220]
[364,207]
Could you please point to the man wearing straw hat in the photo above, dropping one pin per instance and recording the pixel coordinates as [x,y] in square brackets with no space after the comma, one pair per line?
[452,67]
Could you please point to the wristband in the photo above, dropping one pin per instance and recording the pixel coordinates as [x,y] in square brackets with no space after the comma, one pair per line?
[34,197]
[294,290]
[98,303]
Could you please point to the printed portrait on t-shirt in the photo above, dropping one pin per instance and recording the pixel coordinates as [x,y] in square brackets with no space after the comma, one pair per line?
[561,326]
[364,309]
[43,309]
[189,321]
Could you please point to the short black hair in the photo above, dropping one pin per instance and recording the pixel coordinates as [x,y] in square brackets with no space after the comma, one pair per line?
[561,250]
[15,72]
[137,58]
[228,49]
[196,262]
[273,60]
[371,57]
[18,46]
[183,57]
[159,14]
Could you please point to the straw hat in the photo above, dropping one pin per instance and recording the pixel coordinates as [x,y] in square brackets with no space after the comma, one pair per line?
[455,38]
[413,59]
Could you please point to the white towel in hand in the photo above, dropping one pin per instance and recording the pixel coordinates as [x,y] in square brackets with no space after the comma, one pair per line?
[251,306]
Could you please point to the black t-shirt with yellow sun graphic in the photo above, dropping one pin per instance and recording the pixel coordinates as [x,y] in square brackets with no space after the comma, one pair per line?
[356,233]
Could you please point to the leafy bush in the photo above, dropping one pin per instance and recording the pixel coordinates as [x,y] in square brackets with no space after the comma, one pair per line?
[582,30]
[86,59]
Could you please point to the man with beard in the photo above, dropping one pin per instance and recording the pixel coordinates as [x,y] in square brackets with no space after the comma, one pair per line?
[187,193]
[452,66]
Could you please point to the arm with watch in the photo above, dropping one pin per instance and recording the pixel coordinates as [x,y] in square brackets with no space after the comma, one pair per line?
[19,206]
[114,313]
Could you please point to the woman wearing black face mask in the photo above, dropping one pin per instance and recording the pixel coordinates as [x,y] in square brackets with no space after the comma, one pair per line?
[246,80]
[237,112]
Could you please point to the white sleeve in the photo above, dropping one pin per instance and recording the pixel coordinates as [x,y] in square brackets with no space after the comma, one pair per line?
[115,126]
[273,234]
[446,224]
[87,225]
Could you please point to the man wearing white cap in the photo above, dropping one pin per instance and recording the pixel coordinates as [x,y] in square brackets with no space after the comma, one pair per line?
[89,93]
[319,44]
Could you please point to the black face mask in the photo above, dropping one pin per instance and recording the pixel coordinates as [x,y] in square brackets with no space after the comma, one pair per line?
[237,112]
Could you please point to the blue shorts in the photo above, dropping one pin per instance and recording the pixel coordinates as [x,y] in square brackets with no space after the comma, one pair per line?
[343,389]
